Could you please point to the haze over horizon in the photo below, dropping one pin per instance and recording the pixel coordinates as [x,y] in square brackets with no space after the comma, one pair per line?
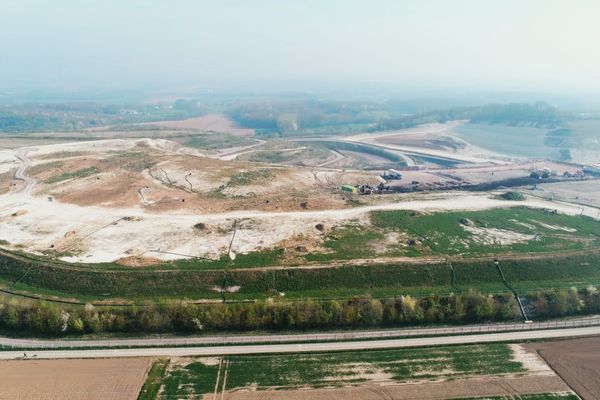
[547,46]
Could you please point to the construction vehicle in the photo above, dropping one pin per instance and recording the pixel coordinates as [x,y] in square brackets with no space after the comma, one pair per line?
[391,174]
[592,169]
[541,173]
[349,188]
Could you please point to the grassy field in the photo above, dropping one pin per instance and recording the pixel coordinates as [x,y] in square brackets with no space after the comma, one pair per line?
[215,141]
[278,152]
[465,233]
[344,281]
[459,240]
[154,380]
[502,230]
[81,173]
[335,369]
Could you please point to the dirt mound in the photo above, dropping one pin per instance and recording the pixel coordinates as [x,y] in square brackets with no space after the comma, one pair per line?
[138,261]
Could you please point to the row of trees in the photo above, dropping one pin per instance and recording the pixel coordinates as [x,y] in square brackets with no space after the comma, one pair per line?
[288,116]
[180,316]
[513,114]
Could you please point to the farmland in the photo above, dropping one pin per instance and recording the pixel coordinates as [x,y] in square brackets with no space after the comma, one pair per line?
[105,379]
[333,375]
[575,361]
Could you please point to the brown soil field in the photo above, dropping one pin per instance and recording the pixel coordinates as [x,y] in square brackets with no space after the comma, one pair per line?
[165,183]
[91,379]
[441,390]
[211,123]
[577,361]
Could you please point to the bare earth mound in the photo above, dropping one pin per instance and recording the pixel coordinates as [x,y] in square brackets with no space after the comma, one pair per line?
[91,379]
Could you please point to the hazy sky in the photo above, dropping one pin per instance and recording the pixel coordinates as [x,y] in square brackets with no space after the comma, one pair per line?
[503,44]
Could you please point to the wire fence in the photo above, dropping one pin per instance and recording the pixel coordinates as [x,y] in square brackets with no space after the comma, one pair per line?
[10,343]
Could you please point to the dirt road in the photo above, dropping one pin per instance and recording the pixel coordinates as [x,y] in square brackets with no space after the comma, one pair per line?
[303,347]
[21,173]
[233,153]
[437,129]
[304,337]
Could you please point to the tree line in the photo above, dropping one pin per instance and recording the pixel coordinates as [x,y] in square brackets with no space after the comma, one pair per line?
[539,115]
[40,317]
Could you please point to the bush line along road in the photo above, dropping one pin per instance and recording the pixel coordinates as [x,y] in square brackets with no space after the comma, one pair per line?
[570,324]
[306,347]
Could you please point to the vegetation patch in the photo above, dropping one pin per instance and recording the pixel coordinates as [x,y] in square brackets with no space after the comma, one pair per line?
[39,168]
[545,396]
[197,279]
[289,371]
[81,173]
[134,161]
[514,230]
[513,196]
[63,318]
[216,141]
[245,178]
[154,380]
[347,242]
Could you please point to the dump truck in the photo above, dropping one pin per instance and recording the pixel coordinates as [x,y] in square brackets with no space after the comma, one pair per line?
[349,188]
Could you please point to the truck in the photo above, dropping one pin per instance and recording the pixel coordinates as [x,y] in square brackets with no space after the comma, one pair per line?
[593,169]
[391,174]
[541,173]
[349,188]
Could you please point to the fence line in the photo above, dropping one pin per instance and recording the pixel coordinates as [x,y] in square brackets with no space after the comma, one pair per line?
[314,337]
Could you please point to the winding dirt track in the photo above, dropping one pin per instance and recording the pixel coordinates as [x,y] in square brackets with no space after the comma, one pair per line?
[21,173]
